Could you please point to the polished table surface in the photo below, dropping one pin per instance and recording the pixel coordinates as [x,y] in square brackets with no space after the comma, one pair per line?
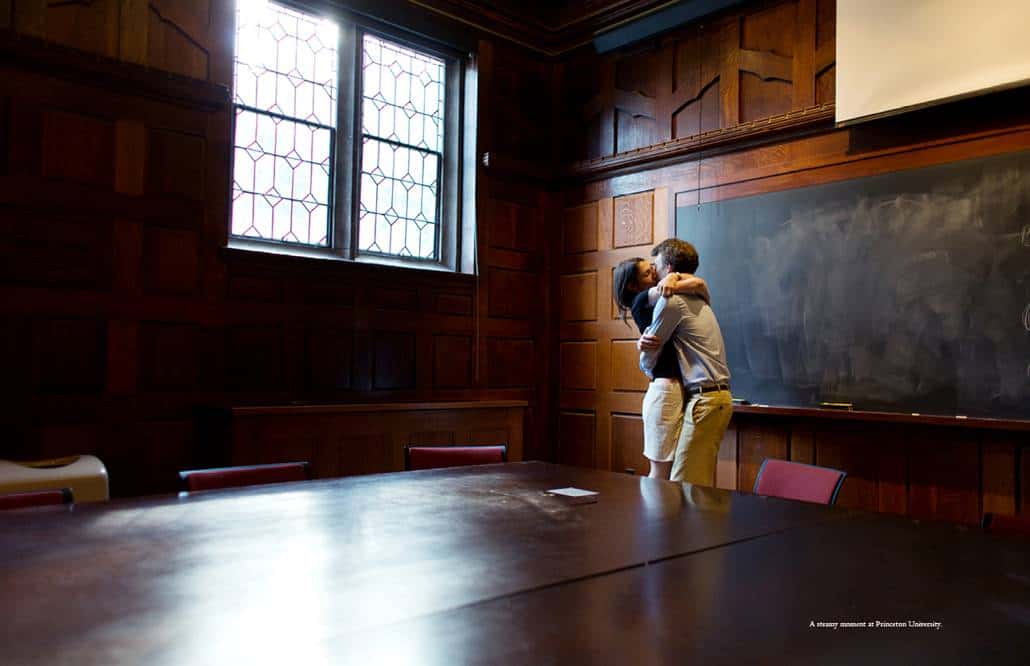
[480,565]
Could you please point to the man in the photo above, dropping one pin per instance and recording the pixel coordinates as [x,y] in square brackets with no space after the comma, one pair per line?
[688,323]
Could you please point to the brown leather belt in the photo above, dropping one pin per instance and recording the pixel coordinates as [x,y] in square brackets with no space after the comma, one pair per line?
[710,388]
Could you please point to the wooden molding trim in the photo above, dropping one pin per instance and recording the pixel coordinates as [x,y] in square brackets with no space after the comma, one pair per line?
[32,53]
[376,407]
[886,417]
[748,135]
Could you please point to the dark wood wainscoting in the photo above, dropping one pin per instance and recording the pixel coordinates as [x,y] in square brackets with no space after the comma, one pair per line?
[342,440]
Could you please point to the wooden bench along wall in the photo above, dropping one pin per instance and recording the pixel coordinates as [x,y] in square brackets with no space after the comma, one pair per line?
[343,440]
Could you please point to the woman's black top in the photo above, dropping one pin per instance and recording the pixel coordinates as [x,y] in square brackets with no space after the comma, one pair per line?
[643,312]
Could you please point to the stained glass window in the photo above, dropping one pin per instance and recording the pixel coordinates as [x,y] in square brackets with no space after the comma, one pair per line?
[285,83]
[402,122]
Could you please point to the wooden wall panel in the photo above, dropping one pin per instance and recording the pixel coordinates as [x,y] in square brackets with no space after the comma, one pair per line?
[756,442]
[756,62]
[576,434]
[172,261]
[168,356]
[842,447]
[330,359]
[578,365]
[580,229]
[394,361]
[175,164]
[628,444]
[68,355]
[513,226]
[128,312]
[511,293]
[452,361]
[946,482]
[507,358]
[1000,473]
[579,297]
[79,148]
[254,358]
[625,364]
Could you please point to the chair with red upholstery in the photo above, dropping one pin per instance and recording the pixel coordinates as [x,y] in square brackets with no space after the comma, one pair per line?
[35,498]
[798,481]
[1000,523]
[248,475]
[433,457]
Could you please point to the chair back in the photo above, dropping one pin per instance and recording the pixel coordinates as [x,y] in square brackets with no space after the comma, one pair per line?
[798,481]
[1000,523]
[248,475]
[35,498]
[433,457]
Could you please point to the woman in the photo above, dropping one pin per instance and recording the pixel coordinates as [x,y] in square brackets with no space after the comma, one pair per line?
[636,288]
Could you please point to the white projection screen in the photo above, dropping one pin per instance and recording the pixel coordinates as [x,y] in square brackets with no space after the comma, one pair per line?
[896,55]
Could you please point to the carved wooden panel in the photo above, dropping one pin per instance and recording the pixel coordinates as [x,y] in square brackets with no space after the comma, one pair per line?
[766,62]
[452,361]
[636,90]
[87,26]
[171,260]
[628,444]
[171,48]
[626,374]
[579,296]
[634,220]
[578,365]
[394,361]
[579,229]
[330,353]
[509,364]
[510,293]
[168,356]
[175,164]
[825,55]
[68,355]
[78,147]
[576,435]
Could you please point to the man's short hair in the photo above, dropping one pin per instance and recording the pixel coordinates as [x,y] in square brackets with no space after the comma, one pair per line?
[677,254]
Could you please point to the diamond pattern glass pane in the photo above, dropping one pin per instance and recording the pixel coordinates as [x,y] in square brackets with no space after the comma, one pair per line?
[402,119]
[398,207]
[281,179]
[285,92]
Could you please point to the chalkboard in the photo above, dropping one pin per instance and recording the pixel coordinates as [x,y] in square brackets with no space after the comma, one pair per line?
[903,292]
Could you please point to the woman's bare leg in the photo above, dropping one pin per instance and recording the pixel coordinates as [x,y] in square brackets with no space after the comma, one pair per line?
[660,470]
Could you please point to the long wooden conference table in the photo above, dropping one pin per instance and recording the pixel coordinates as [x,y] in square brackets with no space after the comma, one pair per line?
[480,565]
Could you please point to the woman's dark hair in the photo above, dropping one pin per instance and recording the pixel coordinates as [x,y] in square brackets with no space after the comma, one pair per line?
[624,284]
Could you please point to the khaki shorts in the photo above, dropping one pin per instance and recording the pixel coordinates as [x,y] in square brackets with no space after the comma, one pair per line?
[704,423]
[663,418]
